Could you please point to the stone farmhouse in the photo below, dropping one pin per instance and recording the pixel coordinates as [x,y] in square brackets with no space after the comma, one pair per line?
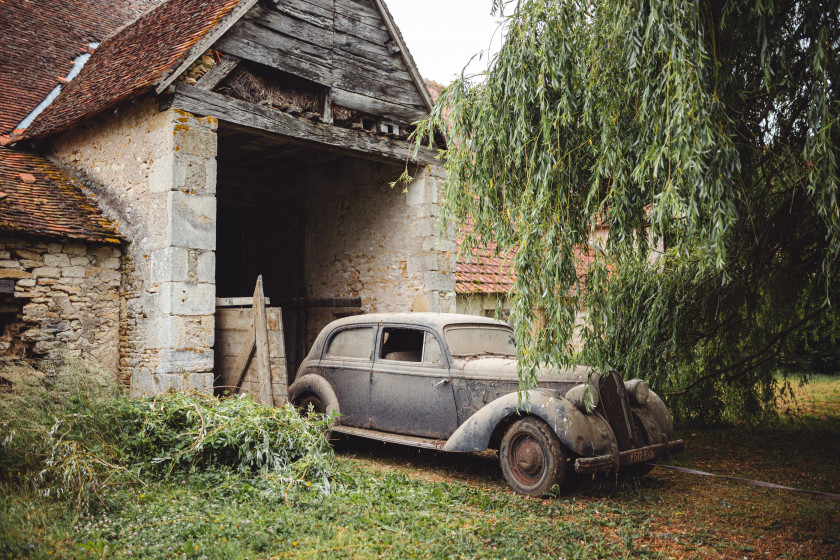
[158,156]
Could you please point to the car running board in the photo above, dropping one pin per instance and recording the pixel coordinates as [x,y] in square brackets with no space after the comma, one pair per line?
[425,443]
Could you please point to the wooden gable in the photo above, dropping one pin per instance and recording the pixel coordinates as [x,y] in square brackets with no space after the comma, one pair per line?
[351,47]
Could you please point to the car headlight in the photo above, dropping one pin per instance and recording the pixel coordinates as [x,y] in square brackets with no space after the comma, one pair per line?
[638,391]
[580,394]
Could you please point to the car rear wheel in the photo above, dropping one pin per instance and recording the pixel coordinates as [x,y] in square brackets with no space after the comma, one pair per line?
[304,402]
[533,459]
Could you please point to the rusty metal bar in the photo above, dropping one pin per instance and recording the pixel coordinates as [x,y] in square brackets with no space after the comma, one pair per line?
[629,457]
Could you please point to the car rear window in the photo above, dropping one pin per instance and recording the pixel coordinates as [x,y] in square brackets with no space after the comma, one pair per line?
[352,343]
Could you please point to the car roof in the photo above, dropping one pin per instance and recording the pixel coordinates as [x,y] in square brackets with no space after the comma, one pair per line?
[433,320]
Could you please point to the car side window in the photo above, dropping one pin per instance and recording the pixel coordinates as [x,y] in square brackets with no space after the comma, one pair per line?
[352,343]
[409,345]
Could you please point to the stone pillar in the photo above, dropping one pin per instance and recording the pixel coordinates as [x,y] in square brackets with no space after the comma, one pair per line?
[433,255]
[182,262]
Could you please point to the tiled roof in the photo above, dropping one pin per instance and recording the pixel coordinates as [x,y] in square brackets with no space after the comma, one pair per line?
[489,271]
[485,272]
[132,61]
[38,198]
[41,40]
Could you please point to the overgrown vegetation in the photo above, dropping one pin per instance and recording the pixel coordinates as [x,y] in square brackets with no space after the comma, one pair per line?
[73,430]
[705,135]
[206,501]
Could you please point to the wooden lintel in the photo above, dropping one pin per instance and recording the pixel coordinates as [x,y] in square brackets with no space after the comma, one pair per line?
[234,111]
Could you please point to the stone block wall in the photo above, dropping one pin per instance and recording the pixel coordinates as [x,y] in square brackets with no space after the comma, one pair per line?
[154,173]
[380,243]
[66,298]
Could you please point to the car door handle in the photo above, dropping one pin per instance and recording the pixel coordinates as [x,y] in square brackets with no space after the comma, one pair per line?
[441,382]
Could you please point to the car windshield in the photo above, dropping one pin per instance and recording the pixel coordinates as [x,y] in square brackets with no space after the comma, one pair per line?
[481,340]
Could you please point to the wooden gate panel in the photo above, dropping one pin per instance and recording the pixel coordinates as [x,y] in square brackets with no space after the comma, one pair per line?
[235,328]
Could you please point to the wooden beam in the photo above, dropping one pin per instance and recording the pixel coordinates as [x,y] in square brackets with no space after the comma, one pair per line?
[237,301]
[261,340]
[379,107]
[234,111]
[218,73]
[201,46]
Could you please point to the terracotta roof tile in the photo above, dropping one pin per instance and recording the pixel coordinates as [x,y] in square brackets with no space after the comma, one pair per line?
[41,199]
[489,271]
[40,42]
[486,272]
[132,61]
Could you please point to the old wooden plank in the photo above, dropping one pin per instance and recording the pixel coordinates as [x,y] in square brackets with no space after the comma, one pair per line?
[242,113]
[237,372]
[363,11]
[235,301]
[227,318]
[373,60]
[278,22]
[218,73]
[262,351]
[375,33]
[316,70]
[374,106]
[313,11]
[201,46]
[288,45]
[352,77]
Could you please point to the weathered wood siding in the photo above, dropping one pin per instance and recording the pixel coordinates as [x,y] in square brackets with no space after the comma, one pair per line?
[341,44]
[233,329]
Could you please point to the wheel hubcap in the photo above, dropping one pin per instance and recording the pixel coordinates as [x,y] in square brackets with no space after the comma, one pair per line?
[527,460]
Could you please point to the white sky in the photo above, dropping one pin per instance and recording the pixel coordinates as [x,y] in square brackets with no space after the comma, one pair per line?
[443,35]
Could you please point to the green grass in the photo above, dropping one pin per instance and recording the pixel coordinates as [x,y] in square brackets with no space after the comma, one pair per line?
[376,515]
[387,501]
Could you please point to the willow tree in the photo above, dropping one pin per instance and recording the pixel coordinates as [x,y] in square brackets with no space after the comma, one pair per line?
[704,134]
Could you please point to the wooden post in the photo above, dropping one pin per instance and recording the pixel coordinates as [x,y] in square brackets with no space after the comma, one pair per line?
[261,340]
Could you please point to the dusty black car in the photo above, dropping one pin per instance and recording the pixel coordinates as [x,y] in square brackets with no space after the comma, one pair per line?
[448,382]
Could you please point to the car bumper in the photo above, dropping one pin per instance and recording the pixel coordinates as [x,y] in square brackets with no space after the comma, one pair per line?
[615,461]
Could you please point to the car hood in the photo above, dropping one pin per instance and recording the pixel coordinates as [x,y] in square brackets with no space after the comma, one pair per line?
[494,368]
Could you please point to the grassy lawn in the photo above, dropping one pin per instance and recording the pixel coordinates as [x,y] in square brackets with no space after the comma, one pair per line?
[409,503]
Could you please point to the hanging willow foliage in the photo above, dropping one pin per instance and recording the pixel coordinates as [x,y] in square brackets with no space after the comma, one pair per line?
[704,134]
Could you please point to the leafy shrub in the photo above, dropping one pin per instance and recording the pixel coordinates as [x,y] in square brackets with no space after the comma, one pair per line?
[71,429]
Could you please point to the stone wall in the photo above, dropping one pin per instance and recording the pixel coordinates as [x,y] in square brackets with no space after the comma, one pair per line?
[154,173]
[66,298]
[367,239]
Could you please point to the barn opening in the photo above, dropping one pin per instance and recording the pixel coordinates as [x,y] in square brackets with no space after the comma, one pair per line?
[325,229]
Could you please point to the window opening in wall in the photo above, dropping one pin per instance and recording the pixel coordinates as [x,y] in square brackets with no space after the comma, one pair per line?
[409,345]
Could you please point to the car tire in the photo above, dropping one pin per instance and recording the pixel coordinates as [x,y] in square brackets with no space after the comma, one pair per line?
[533,459]
[304,401]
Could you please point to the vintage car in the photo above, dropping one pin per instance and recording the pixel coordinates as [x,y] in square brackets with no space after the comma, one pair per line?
[449,382]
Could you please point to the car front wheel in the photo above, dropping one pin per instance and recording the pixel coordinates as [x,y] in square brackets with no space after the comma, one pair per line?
[304,402]
[533,459]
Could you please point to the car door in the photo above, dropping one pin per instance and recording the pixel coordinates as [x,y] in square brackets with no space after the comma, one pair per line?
[346,364]
[411,391]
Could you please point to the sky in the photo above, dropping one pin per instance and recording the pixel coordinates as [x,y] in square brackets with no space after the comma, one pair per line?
[443,35]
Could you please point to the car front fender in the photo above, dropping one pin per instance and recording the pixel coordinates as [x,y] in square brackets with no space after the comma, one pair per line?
[312,383]
[655,420]
[584,434]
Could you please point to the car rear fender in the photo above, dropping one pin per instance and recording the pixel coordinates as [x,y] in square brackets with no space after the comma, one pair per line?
[320,387]
[584,434]
[654,419]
